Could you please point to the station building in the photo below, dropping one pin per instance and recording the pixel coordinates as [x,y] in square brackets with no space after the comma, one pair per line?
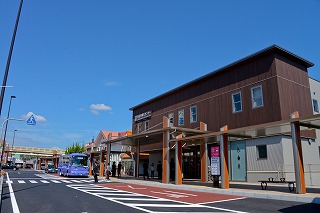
[255,97]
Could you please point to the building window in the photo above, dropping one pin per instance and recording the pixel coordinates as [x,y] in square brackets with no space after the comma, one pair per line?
[146,125]
[257,99]
[236,102]
[193,114]
[181,117]
[262,152]
[171,119]
[315,105]
[139,127]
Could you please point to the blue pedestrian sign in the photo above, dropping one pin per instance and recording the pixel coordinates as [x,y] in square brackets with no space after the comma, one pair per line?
[31,120]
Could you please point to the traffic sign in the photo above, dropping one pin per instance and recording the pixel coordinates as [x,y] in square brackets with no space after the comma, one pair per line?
[31,120]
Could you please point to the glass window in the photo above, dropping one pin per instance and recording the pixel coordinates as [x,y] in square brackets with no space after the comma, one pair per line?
[257,99]
[146,125]
[171,119]
[181,117]
[262,151]
[315,105]
[139,127]
[236,102]
[193,114]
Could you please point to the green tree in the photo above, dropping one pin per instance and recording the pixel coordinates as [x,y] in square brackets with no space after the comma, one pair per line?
[75,148]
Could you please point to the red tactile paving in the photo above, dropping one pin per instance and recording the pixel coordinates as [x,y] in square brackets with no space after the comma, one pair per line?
[172,194]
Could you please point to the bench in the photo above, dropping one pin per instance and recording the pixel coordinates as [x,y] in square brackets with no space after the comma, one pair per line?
[264,183]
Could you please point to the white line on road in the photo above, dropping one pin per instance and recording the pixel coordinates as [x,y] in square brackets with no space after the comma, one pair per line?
[14,203]
[182,193]
[21,181]
[44,181]
[33,181]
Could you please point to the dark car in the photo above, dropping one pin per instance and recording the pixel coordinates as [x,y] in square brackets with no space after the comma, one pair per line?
[7,166]
[50,169]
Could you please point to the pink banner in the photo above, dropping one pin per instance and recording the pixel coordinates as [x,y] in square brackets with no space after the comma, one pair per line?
[215,152]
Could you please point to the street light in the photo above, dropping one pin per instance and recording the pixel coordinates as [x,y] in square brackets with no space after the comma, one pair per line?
[5,131]
[14,135]
[4,144]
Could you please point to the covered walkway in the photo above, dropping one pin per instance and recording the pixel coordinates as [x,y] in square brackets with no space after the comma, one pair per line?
[176,136]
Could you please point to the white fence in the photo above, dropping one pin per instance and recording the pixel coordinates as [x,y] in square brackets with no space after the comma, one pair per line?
[311,173]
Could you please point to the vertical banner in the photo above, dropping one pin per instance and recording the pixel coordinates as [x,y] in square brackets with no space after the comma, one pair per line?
[215,160]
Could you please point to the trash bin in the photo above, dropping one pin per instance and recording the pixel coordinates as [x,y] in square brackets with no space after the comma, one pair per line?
[215,179]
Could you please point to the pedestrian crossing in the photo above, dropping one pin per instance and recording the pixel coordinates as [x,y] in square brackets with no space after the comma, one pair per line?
[47,181]
[142,202]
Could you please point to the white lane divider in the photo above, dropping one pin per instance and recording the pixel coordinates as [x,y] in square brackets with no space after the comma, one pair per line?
[15,207]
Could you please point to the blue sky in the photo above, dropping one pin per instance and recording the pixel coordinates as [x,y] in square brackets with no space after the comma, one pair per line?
[79,65]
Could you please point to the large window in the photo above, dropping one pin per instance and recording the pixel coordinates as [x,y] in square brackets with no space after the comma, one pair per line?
[139,127]
[181,117]
[262,152]
[236,102]
[171,119]
[193,114]
[315,105]
[257,98]
[146,126]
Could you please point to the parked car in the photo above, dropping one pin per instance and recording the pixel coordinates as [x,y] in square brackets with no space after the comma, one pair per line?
[7,166]
[50,169]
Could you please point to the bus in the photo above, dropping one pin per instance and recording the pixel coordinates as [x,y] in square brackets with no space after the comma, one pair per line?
[75,164]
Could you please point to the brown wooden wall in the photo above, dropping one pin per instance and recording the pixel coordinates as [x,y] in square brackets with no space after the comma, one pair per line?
[284,84]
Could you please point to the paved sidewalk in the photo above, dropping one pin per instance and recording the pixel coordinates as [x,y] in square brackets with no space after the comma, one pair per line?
[276,192]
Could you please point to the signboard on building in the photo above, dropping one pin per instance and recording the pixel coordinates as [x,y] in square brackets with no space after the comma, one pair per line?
[215,160]
[142,116]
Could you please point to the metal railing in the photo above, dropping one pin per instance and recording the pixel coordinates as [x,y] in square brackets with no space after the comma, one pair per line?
[311,173]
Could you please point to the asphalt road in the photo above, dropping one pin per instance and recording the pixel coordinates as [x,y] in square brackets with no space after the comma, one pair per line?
[38,192]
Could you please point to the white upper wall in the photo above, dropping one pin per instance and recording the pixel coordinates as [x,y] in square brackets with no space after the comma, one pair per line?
[315,92]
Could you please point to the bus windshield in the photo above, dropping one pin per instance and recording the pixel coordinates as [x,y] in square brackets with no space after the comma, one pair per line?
[79,161]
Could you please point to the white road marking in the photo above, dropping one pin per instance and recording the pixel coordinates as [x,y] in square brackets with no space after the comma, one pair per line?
[21,181]
[169,194]
[135,188]
[15,207]
[65,181]
[33,181]
[44,181]
[55,181]
[9,181]
[182,193]
[145,197]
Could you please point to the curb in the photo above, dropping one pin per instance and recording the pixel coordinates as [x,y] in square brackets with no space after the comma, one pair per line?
[247,193]
[1,184]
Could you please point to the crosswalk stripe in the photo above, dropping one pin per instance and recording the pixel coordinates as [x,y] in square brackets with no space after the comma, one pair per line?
[66,181]
[9,181]
[44,181]
[33,181]
[21,181]
[55,181]
[76,181]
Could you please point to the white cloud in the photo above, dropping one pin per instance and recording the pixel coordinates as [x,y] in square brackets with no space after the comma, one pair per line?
[112,83]
[97,108]
[38,118]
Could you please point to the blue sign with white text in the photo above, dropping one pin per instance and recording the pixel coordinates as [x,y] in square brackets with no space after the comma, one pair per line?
[31,120]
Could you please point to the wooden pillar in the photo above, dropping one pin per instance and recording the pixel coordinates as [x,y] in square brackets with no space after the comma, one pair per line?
[297,155]
[102,158]
[224,158]
[91,162]
[137,161]
[178,160]
[40,162]
[165,152]
[204,155]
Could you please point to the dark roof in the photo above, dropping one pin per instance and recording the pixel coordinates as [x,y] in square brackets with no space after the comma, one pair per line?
[271,49]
